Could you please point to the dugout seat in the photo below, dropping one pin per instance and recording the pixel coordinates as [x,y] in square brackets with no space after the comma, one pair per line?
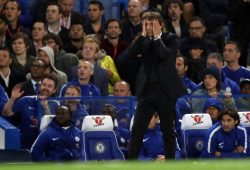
[99,139]
[46,119]
[194,128]
[245,122]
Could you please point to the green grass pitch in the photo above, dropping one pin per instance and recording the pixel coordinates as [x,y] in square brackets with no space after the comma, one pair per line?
[235,164]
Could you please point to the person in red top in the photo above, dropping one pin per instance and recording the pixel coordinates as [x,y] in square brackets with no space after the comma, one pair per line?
[113,45]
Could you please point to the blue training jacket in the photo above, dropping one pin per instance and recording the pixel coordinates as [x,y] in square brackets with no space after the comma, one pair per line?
[58,144]
[225,142]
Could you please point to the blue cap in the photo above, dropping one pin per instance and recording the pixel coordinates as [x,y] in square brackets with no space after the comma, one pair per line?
[212,102]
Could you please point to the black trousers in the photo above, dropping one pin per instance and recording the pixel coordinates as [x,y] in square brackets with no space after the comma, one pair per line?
[153,100]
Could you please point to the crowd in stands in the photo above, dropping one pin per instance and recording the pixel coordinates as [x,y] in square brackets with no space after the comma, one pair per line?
[62,53]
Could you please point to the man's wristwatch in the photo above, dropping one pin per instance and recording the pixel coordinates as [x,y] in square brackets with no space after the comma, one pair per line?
[157,37]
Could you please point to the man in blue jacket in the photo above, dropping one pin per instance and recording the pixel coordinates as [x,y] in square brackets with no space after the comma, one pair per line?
[28,110]
[60,141]
[226,139]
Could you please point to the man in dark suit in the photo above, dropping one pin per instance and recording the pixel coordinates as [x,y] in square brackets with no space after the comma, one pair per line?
[8,76]
[68,15]
[158,83]
[32,86]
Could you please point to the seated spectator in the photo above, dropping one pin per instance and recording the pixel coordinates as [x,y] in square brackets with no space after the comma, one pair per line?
[47,55]
[63,61]
[152,147]
[8,78]
[29,109]
[107,63]
[85,70]
[196,59]
[232,69]
[89,52]
[53,15]
[243,102]
[125,107]
[31,87]
[60,141]
[213,108]
[181,65]
[12,11]
[39,30]
[77,109]
[211,88]
[175,22]
[226,83]
[122,134]
[76,36]
[132,25]
[68,15]
[95,20]
[21,60]
[226,139]
[197,30]
[113,45]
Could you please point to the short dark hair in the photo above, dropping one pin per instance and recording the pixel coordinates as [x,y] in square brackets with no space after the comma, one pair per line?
[232,113]
[51,77]
[18,5]
[6,49]
[238,47]
[98,3]
[54,37]
[179,2]
[77,88]
[196,18]
[56,4]
[113,20]
[45,26]
[78,23]
[152,15]
[215,55]
[21,35]
[179,54]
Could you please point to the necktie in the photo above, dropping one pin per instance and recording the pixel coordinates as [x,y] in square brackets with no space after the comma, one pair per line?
[37,88]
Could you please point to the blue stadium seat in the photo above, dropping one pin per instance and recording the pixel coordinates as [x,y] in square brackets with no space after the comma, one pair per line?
[9,135]
[245,122]
[99,140]
[194,128]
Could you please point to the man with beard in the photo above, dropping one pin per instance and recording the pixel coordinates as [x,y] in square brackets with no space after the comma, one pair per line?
[47,55]
[32,86]
[30,109]
[226,139]
[113,45]
[76,35]
[175,22]
[63,61]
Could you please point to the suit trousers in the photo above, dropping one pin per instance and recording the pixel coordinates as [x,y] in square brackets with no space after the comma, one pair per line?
[153,100]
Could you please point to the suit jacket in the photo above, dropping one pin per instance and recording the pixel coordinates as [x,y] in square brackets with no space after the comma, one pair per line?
[13,80]
[164,50]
